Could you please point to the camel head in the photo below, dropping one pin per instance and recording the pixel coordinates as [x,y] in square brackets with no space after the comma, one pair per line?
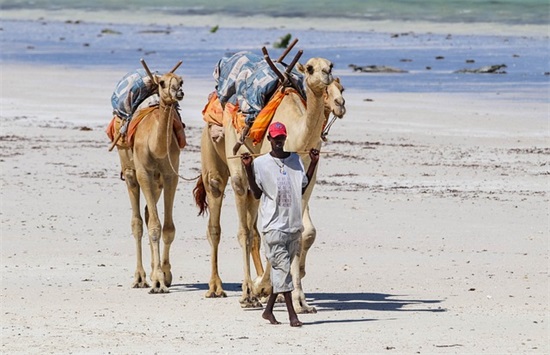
[334,101]
[318,73]
[170,88]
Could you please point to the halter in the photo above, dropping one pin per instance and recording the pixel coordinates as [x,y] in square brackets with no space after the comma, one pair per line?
[169,128]
[324,134]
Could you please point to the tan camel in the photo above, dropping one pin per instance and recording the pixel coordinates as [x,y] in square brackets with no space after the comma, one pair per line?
[303,123]
[335,104]
[334,100]
[152,166]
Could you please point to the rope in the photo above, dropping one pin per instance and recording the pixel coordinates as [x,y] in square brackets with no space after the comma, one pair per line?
[169,128]
[324,134]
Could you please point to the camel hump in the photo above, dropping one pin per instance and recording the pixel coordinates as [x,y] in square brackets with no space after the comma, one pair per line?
[130,92]
[247,80]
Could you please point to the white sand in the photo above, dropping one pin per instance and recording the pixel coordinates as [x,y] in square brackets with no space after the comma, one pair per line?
[432,231]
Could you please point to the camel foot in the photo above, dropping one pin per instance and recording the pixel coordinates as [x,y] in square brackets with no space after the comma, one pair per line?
[262,290]
[263,294]
[140,279]
[168,279]
[305,310]
[215,294]
[280,298]
[158,288]
[250,302]
[140,284]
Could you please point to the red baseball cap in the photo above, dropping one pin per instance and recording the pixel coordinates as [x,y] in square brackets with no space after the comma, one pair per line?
[277,129]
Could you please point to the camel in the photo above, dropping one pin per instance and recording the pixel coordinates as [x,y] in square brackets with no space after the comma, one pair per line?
[335,104]
[217,169]
[334,101]
[151,166]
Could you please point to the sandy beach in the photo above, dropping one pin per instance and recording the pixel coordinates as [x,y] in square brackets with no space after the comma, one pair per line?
[432,212]
[432,221]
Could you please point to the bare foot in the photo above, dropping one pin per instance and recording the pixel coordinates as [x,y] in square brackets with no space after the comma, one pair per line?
[270,317]
[295,323]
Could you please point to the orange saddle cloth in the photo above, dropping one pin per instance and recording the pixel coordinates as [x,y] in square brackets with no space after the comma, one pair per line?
[213,113]
[126,141]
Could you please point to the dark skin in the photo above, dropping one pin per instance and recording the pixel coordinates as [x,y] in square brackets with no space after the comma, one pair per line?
[277,151]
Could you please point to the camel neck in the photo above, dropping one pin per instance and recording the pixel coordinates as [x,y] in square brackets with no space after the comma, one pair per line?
[313,124]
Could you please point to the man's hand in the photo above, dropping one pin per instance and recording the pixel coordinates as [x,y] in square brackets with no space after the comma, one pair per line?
[314,155]
[246,159]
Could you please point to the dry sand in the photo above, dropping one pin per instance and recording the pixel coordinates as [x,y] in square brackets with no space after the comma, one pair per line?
[432,222]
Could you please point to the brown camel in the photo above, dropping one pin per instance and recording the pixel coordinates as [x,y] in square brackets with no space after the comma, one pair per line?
[152,165]
[302,123]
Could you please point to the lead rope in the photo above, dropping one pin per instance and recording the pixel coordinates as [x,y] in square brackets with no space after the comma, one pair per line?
[324,134]
[169,128]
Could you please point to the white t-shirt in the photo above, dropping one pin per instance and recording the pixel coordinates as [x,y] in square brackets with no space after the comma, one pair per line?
[281,182]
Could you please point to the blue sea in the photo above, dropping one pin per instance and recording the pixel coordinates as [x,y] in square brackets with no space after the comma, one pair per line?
[416,36]
[469,11]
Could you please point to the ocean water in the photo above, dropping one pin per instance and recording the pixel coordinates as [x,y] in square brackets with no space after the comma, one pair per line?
[466,11]
[86,34]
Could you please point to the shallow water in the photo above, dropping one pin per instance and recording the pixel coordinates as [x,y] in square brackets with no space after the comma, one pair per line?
[453,11]
[429,59]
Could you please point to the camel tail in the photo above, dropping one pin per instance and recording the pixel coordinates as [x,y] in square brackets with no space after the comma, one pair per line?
[199,192]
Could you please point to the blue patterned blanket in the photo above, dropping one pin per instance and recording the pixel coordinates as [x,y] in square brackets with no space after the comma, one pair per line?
[130,92]
[247,79]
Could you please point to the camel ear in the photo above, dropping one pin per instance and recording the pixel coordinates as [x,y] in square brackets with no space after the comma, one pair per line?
[337,80]
[300,68]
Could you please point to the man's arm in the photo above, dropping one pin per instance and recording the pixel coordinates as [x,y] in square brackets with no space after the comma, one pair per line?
[314,156]
[247,162]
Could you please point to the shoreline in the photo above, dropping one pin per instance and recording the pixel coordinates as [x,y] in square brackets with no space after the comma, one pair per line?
[429,63]
[139,17]
[93,106]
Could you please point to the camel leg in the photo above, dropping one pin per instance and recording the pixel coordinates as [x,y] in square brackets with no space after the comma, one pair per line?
[156,190]
[147,183]
[262,283]
[244,235]
[298,267]
[252,218]
[140,278]
[168,228]
[125,155]
[215,186]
